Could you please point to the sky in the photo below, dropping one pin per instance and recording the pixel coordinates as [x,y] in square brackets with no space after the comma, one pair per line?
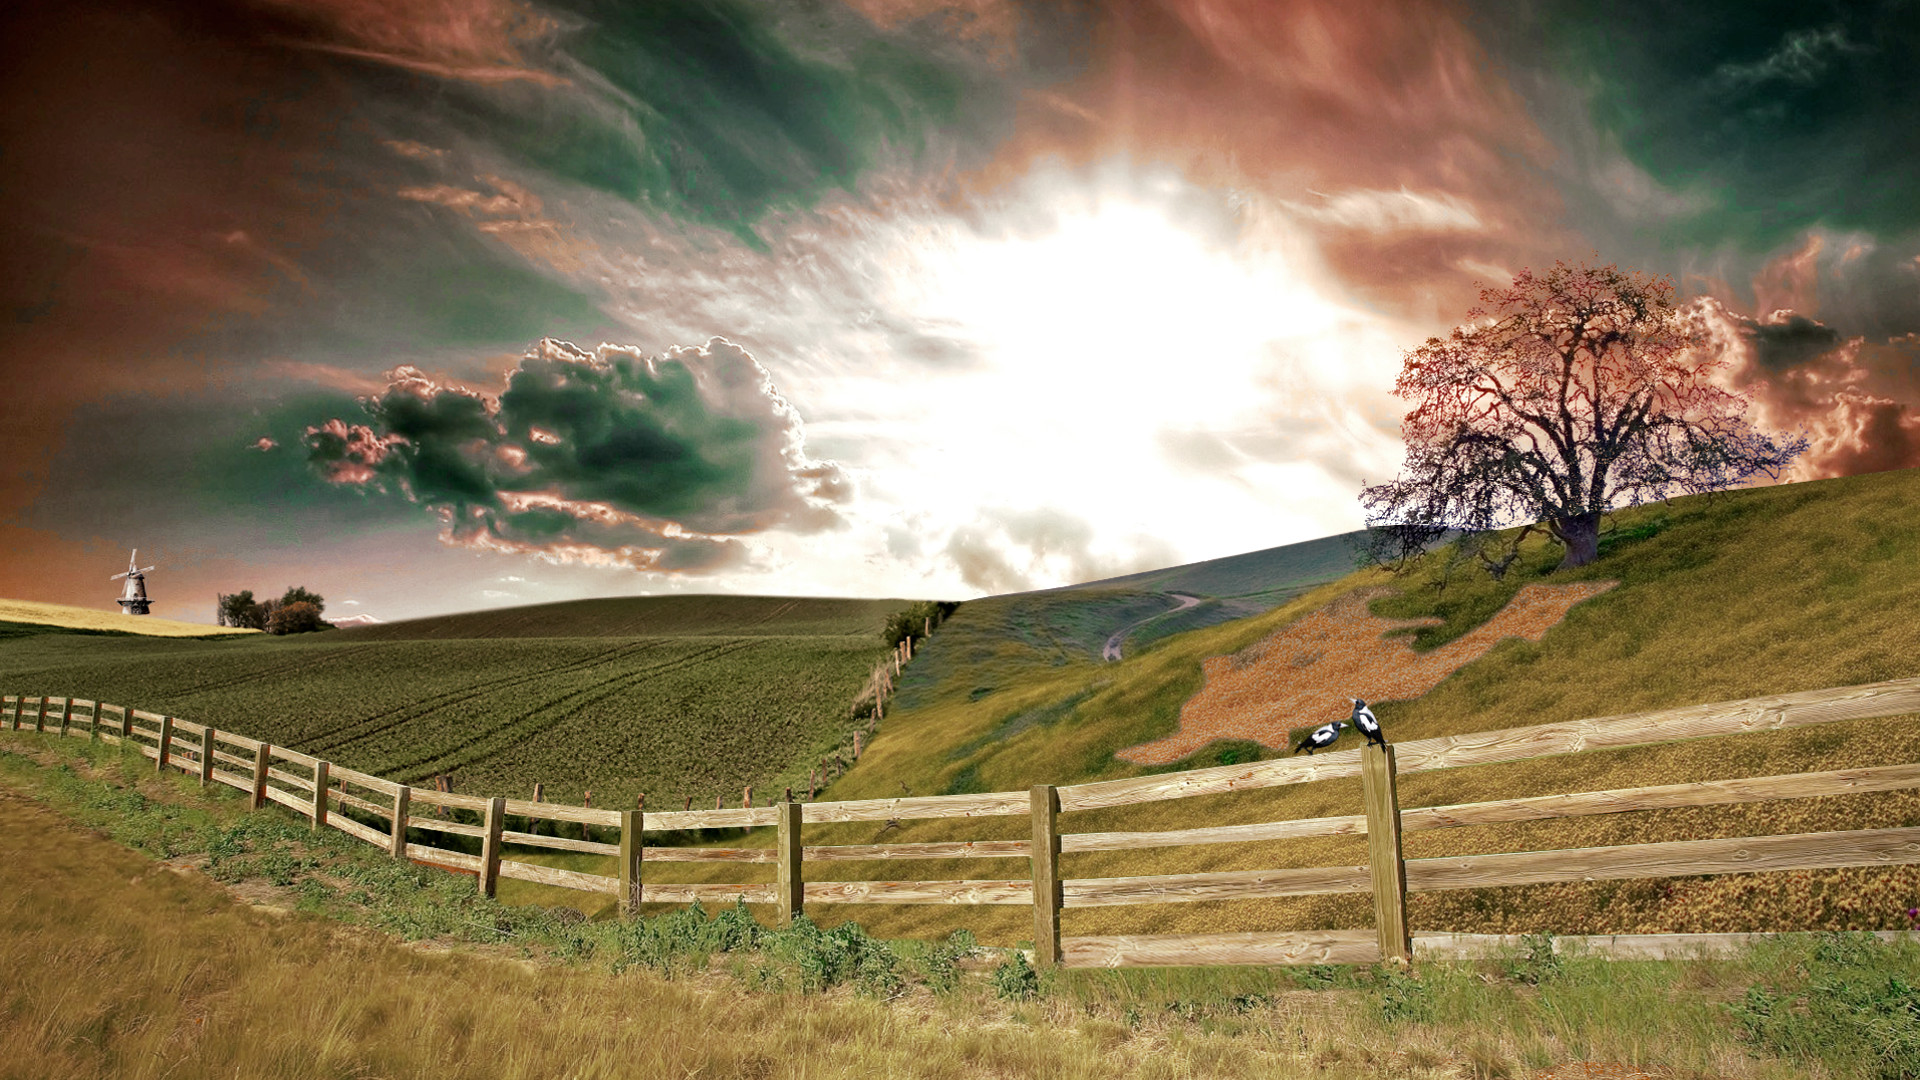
[435,305]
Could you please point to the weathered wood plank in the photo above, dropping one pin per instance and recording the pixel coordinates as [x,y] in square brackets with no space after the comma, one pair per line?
[915,892]
[706,894]
[1382,800]
[1265,948]
[744,817]
[915,808]
[1774,713]
[696,854]
[1044,805]
[558,843]
[356,830]
[961,849]
[546,811]
[1217,885]
[1703,793]
[164,744]
[397,821]
[289,800]
[233,780]
[788,879]
[1618,946]
[359,803]
[306,761]
[367,781]
[632,857]
[292,780]
[438,825]
[241,741]
[1350,824]
[449,800]
[261,755]
[320,796]
[232,759]
[458,860]
[1737,855]
[565,879]
[490,845]
[188,727]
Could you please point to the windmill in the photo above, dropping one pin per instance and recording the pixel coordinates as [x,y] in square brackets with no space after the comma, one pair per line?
[134,600]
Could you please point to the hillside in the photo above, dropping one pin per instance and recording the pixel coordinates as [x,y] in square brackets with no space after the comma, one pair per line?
[1747,593]
[650,616]
[679,697]
[23,617]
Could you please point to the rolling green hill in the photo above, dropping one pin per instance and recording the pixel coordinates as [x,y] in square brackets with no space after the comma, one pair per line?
[679,697]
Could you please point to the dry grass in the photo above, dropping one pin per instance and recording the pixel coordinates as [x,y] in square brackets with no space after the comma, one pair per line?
[78,618]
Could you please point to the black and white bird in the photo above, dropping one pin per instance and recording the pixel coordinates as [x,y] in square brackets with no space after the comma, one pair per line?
[1368,724]
[1321,738]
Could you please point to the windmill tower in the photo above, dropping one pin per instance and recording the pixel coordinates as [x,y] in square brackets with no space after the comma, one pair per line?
[134,600]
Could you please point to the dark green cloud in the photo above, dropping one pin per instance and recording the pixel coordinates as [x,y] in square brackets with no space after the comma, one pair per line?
[1785,115]
[722,112]
[655,462]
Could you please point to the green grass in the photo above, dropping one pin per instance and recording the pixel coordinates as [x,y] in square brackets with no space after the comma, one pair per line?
[120,966]
[675,697]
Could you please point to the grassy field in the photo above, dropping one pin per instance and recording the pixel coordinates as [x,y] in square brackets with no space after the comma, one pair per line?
[28,616]
[150,929]
[676,697]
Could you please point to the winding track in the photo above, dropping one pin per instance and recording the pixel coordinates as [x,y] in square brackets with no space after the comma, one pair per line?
[1112,651]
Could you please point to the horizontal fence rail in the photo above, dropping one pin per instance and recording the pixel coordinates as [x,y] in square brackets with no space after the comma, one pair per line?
[396,817]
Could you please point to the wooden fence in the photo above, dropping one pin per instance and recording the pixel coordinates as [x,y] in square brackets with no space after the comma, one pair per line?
[332,796]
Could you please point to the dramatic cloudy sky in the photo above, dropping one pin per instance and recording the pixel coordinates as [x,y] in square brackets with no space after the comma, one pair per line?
[440,304]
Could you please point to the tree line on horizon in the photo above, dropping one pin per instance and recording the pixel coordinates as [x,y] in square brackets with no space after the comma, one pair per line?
[297,611]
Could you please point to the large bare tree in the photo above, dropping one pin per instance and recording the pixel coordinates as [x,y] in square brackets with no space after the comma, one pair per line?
[1570,394]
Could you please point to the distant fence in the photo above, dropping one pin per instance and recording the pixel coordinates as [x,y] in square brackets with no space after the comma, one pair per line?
[326,794]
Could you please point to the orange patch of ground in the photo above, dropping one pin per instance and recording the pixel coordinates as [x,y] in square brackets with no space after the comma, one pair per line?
[1306,674]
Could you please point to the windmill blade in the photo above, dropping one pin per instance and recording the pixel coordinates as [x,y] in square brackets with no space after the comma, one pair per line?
[116,577]
[143,570]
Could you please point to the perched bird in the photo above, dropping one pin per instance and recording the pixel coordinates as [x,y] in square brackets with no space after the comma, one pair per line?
[1368,724]
[1321,738]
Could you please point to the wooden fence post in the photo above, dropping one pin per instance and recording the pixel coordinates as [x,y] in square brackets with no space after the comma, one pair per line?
[319,795]
[490,845]
[93,724]
[1046,876]
[126,723]
[206,756]
[10,709]
[66,714]
[402,806]
[790,888]
[1379,791]
[166,743]
[633,851]
[260,755]
[40,714]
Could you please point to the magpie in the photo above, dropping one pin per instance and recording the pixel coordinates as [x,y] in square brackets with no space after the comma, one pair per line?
[1368,724]
[1321,738]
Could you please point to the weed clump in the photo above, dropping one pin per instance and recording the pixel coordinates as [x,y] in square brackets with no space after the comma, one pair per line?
[1847,1010]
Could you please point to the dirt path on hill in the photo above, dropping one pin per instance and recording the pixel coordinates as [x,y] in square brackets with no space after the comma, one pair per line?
[1112,651]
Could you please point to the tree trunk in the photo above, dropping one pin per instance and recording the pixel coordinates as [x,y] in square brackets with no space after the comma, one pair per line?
[1580,534]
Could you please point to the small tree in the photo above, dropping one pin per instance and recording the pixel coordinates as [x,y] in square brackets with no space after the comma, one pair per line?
[1565,396]
[239,609]
[298,617]
[913,622]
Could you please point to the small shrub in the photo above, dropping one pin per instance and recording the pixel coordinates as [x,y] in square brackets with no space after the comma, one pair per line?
[941,965]
[1015,979]
[1399,996]
[1852,1013]
[1537,962]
